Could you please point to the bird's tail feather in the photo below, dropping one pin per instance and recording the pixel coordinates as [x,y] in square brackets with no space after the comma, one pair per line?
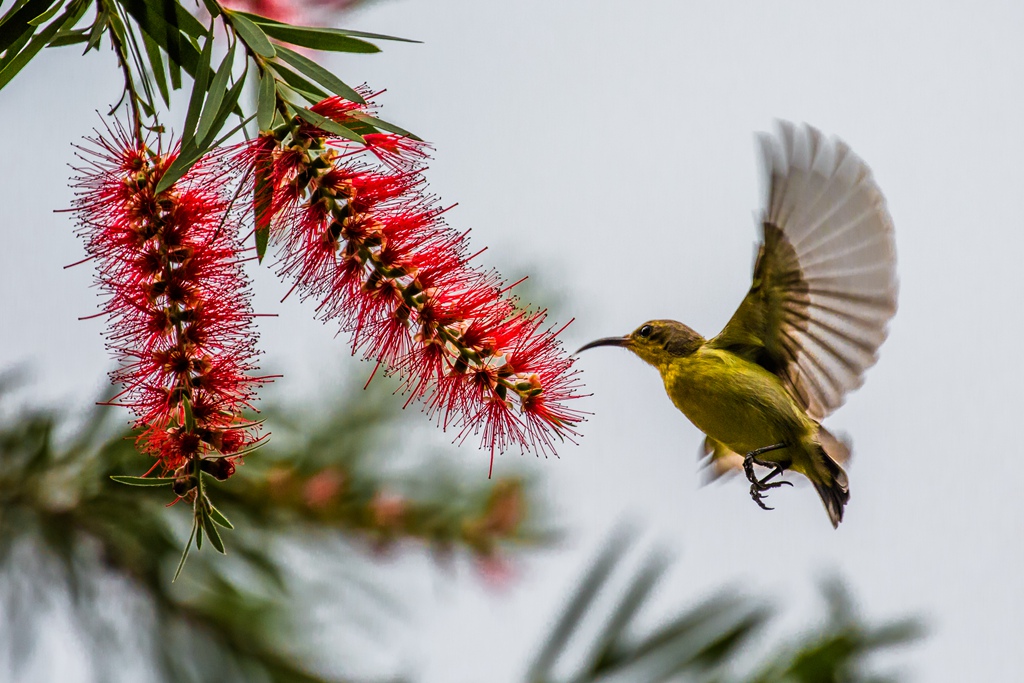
[831,483]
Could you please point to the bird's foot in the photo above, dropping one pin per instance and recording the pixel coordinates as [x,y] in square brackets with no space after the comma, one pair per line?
[757,491]
[759,486]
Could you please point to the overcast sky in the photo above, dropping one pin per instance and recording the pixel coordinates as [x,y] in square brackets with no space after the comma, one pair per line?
[608,148]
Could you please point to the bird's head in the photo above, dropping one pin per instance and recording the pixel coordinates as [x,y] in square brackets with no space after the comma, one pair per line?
[657,342]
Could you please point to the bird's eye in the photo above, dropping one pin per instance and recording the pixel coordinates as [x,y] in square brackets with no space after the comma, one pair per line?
[645,331]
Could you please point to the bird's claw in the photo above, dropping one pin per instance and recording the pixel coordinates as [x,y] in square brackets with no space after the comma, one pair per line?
[759,486]
[758,497]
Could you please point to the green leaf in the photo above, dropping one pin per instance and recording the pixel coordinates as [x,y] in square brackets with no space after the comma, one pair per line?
[9,68]
[47,15]
[96,32]
[253,35]
[211,532]
[242,124]
[326,124]
[192,152]
[179,19]
[184,555]
[262,202]
[384,125]
[226,107]
[199,90]
[12,10]
[212,7]
[262,240]
[300,85]
[156,63]
[130,49]
[319,38]
[319,74]
[218,517]
[72,37]
[190,418]
[186,158]
[16,46]
[218,88]
[166,31]
[143,481]
[265,21]
[266,101]
[15,22]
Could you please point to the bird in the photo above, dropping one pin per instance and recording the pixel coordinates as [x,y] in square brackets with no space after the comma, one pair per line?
[824,291]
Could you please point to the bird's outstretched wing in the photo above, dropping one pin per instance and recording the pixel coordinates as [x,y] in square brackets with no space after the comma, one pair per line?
[825,277]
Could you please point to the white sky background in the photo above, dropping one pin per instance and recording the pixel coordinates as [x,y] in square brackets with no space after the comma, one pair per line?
[608,147]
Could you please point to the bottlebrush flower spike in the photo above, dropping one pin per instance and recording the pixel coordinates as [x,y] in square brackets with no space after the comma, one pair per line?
[180,321]
[357,233]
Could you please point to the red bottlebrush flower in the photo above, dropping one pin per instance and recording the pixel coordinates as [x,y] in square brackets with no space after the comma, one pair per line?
[357,234]
[180,322]
[396,151]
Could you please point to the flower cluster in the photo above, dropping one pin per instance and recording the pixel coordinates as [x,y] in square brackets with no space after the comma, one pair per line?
[180,321]
[357,233]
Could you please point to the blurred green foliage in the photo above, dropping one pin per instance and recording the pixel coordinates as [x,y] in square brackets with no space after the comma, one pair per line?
[65,527]
[67,531]
[708,643]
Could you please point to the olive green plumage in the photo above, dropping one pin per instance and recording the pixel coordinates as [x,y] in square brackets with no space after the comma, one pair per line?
[823,292]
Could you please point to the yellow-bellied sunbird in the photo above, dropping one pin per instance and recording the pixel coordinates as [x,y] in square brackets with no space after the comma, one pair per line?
[824,291]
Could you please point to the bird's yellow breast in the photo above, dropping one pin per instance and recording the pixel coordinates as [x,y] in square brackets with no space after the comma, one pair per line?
[734,401]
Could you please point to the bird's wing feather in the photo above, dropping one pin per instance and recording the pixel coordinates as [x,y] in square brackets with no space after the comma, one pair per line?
[825,277]
[717,459]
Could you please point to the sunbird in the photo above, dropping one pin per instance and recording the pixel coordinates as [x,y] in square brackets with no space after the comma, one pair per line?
[823,294]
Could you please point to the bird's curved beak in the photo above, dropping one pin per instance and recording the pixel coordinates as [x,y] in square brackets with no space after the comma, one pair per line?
[607,341]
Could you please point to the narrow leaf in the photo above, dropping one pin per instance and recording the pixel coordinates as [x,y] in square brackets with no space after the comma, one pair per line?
[156,63]
[12,10]
[319,39]
[39,41]
[218,87]
[191,153]
[262,240]
[263,199]
[47,15]
[242,124]
[319,74]
[190,418]
[227,105]
[218,517]
[177,18]
[143,481]
[327,125]
[266,101]
[253,35]
[16,21]
[212,7]
[265,21]
[181,53]
[96,32]
[199,89]
[184,555]
[300,85]
[212,533]
[384,125]
[186,158]
[72,37]
[15,48]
